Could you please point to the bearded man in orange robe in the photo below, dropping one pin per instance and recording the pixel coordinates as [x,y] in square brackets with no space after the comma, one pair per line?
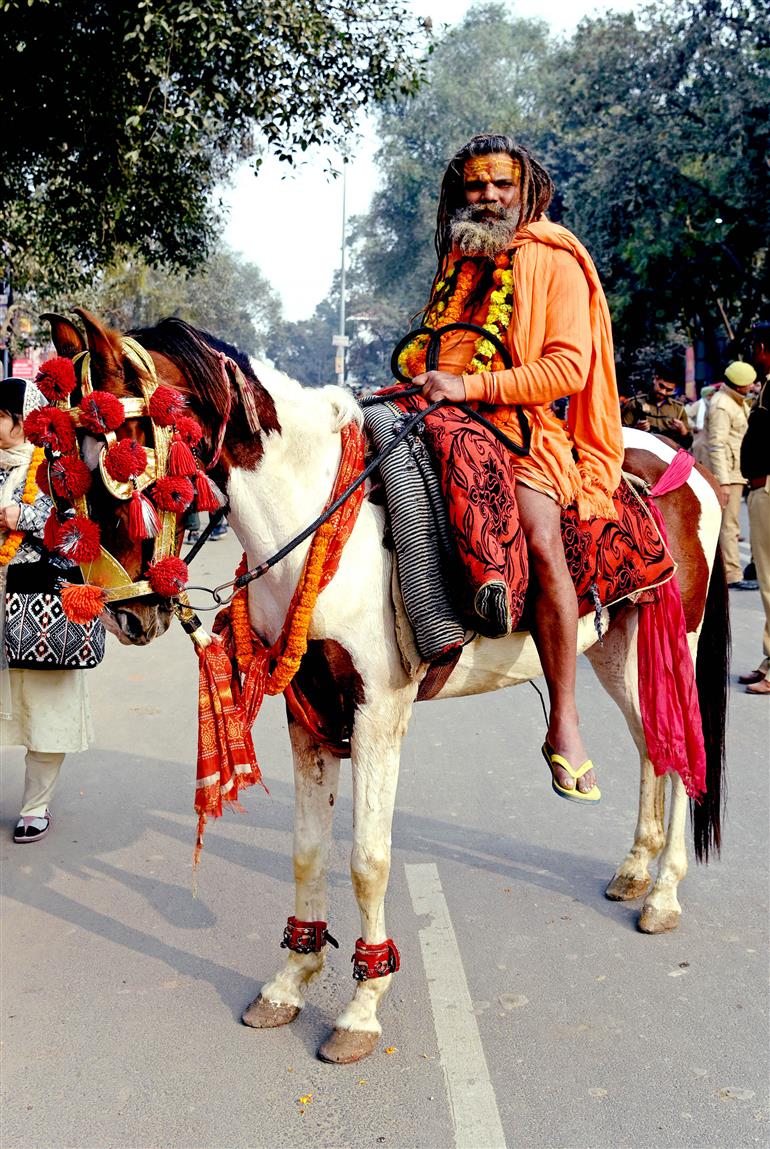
[494,196]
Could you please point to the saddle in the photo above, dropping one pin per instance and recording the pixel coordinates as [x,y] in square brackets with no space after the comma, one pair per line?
[461,560]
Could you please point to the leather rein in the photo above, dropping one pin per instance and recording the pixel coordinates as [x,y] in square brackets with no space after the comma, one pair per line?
[407,427]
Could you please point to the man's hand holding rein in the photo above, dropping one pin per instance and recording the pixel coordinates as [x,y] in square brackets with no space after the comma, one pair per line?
[441,385]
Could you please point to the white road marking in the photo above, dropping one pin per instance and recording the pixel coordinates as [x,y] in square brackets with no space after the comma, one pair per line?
[472,1101]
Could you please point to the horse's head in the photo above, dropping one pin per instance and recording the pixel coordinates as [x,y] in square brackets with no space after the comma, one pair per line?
[135,611]
[147,455]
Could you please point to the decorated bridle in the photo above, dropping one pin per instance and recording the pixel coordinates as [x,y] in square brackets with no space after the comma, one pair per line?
[159,482]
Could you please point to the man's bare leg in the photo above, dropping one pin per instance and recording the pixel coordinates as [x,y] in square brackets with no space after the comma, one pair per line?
[555,627]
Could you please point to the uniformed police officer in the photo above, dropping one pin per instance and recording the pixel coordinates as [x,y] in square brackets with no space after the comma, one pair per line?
[660,411]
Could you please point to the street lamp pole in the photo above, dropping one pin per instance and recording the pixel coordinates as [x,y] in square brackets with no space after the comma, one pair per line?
[341,340]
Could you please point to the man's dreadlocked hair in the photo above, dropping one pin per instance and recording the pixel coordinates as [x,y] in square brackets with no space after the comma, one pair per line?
[535,187]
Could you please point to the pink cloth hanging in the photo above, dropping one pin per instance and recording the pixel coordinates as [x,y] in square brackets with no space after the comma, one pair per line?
[668,694]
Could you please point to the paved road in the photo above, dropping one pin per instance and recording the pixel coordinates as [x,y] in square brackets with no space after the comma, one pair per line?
[121,993]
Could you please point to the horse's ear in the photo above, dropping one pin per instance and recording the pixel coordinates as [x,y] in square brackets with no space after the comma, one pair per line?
[67,339]
[107,371]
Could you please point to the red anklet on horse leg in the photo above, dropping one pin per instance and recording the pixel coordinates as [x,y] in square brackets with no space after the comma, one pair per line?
[306,937]
[375,960]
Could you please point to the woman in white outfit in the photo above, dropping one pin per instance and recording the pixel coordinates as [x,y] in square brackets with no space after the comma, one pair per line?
[47,711]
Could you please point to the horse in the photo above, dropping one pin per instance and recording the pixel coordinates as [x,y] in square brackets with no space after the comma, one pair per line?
[277,478]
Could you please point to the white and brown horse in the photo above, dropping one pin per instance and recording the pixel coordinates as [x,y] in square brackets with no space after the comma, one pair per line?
[277,481]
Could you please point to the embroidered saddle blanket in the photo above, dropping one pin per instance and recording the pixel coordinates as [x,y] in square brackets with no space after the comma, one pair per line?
[460,550]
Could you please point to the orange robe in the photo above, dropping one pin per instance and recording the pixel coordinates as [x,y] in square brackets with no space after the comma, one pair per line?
[560,340]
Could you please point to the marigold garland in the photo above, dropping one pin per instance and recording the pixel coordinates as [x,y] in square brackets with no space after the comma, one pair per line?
[466,276]
[29,494]
[291,646]
[285,655]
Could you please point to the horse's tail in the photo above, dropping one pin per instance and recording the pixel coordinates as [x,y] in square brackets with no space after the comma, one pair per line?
[712,670]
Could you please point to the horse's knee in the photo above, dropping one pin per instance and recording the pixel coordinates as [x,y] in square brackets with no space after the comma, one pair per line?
[308,864]
[369,870]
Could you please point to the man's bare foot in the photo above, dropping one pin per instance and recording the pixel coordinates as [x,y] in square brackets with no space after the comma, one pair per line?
[568,744]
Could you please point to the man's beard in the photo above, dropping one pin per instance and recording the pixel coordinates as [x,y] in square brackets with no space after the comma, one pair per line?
[484,229]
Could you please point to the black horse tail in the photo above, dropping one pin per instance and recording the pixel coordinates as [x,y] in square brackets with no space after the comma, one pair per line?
[712,671]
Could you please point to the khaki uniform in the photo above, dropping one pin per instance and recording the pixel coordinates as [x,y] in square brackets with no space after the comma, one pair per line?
[755,466]
[726,423]
[660,415]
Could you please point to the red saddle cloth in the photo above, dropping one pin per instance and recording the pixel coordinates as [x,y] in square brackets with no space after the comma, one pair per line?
[607,558]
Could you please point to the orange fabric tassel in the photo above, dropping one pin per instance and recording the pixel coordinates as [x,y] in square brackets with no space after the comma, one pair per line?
[238,671]
[226,759]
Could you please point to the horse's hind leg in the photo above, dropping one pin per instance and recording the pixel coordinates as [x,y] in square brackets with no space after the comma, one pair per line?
[615,664]
[316,774]
[377,737]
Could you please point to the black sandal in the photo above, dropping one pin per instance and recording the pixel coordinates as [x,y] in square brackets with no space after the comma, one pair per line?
[32,828]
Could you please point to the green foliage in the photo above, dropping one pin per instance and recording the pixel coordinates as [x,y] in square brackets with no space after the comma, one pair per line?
[226,296]
[120,117]
[486,75]
[655,129]
[661,136]
[304,349]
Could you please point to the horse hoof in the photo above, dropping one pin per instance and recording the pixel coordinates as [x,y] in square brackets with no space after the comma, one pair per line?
[263,1014]
[624,888]
[653,921]
[344,1046]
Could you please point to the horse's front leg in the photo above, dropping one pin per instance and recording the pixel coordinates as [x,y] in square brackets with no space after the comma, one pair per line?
[316,774]
[376,747]
[661,910]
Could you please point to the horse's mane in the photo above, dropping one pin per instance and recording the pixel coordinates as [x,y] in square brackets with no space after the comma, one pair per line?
[196,354]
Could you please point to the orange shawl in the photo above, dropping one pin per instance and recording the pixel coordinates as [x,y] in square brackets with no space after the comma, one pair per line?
[551,362]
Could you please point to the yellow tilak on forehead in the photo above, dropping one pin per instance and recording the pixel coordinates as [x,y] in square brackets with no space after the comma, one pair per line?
[489,169]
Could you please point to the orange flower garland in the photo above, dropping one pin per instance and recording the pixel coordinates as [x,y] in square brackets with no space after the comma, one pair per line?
[485,357]
[31,490]
[290,647]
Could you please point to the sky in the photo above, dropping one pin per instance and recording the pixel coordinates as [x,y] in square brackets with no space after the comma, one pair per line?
[262,209]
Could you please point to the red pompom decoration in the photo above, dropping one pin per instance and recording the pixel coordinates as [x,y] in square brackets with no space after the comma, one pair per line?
[56,379]
[41,478]
[79,540]
[143,521]
[125,460]
[168,576]
[50,427]
[51,531]
[101,412]
[70,476]
[166,405]
[189,430]
[173,494]
[205,495]
[82,604]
